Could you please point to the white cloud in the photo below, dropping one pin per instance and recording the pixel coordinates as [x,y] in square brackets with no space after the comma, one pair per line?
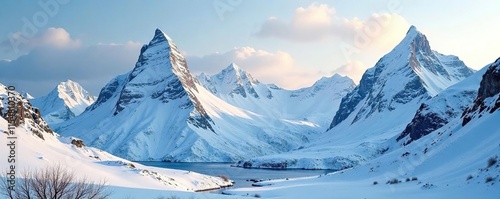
[270,67]
[51,37]
[359,40]
[319,22]
[55,57]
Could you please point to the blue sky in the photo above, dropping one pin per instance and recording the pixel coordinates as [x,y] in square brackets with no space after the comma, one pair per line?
[288,42]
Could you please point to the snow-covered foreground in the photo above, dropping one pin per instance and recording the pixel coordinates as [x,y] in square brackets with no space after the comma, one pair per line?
[450,164]
[123,177]
[36,147]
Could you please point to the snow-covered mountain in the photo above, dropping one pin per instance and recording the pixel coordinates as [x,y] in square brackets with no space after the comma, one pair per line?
[158,111]
[66,101]
[379,108]
[234,81]
[411,72]
[37,147]
[459,159]
[314,104]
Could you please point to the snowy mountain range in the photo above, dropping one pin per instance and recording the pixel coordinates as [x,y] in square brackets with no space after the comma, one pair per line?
[66,101]
[166,114]
[379,108]
[313,104]
[459,159]
[420,123]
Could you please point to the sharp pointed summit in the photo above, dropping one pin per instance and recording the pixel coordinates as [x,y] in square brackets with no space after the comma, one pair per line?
[410,73]
[160,62]
[67,100]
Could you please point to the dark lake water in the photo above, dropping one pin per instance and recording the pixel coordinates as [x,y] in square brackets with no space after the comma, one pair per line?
[239,175]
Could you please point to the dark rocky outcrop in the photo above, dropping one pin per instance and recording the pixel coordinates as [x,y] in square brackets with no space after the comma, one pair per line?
[77,143]
[489,88]
[25,114]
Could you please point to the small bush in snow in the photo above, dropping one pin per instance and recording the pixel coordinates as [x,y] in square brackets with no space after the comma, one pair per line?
[414,179]
[492,161]
[257,195]
[393,181]
[408,179]
[489,179]
[469,177]
[375,183]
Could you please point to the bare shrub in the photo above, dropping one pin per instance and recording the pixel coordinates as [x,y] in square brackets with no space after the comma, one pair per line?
[492,161]
[488,179]
[393,181]
[53,182]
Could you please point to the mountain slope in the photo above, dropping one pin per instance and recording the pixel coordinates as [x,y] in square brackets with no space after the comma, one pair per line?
[158,111]
[379,108]
[66,101]
[443,108]
[461,159]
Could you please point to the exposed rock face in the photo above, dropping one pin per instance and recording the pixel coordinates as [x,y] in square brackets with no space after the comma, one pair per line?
[161,73]
[77,143]
[443,108]
[108,91]
[488,98]
[25,113]
[411,71]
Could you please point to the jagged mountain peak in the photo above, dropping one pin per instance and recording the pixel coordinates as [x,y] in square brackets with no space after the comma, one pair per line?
[411,72]
[233,81]
[159,37]
[233,74]
[160,62]
[74,91]
[333,78]
[160,77]
[67,100]
[414,40]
